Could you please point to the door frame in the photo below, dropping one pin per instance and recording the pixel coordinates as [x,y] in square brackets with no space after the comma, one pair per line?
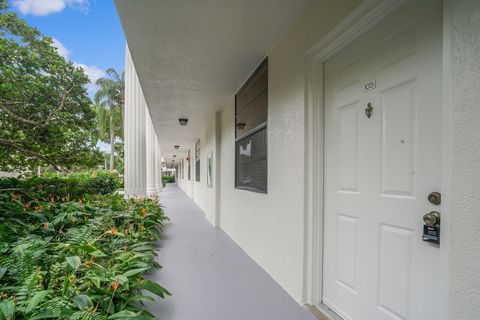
[359,21]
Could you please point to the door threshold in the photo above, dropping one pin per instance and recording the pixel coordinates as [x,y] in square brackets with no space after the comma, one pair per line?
[322,312]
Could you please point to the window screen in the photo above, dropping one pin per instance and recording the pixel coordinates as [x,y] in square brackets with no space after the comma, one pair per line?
[251,160]
[251,111]
[197,161]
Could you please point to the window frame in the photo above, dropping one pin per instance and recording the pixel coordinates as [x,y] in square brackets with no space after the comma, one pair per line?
[260,127]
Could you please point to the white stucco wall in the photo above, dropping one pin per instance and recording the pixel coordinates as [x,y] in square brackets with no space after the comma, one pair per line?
[185,184]
[202,194]
[464,200]
[270,227]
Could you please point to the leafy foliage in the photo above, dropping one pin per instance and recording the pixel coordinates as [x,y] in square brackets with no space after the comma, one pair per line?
[168,179]
[74,185]
[46,117]
[76,259]
[82,259]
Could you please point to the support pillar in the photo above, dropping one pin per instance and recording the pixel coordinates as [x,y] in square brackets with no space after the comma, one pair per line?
[134,124]
[158,166]
[150,154]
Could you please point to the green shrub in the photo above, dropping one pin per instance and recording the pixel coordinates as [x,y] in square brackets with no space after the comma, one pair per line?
[82,259]
[74,185]
[101,182]
[168,179]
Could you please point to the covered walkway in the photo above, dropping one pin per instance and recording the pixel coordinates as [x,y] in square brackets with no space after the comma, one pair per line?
[210,277]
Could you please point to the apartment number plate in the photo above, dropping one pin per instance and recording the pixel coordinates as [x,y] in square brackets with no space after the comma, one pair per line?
[370,85]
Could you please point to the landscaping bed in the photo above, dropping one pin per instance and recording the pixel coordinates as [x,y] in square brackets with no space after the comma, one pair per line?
[76,257]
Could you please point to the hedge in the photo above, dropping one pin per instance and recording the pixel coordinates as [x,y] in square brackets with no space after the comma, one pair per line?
[74,185]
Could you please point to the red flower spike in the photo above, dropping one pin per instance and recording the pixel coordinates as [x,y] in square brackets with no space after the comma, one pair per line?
[116,284]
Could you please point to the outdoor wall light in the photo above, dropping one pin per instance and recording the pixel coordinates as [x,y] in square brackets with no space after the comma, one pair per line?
[176,147]
[240,126]
[174,156]
[183,121]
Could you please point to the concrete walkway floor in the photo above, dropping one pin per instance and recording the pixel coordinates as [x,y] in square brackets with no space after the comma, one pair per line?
[210,277]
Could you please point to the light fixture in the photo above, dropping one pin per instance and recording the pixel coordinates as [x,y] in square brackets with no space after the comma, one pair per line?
[240,126]
[176,147]
[183,121]
[174,156]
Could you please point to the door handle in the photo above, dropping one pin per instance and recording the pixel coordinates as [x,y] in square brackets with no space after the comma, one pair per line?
[431,228]
[435,198]
[432,218]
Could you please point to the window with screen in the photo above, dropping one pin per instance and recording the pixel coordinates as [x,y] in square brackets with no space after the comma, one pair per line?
[197,161]
[251,112]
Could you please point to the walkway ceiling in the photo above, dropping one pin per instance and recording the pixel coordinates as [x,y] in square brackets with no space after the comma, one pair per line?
[192,55]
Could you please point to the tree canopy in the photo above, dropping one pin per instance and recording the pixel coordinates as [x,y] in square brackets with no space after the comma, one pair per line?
[109,105]
[46,115]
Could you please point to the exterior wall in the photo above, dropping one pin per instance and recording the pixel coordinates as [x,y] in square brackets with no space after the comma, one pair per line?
[185,184]
[270,227]
[463,55]
[202,194]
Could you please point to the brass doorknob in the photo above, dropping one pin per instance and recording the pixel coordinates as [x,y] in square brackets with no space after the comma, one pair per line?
[432,218]
[435,198]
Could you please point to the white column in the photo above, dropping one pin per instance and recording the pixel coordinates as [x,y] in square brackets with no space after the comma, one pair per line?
[158,165]
[135,107]
[150,154]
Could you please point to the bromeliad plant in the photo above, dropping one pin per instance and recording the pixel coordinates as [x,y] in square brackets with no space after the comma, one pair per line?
[77,259]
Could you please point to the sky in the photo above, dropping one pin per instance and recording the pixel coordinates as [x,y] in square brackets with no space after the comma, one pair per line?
[87,32]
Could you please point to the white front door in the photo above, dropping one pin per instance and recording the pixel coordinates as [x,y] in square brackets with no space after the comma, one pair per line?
[380,169]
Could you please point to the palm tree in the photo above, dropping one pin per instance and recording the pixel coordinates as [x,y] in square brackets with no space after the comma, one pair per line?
[109,103]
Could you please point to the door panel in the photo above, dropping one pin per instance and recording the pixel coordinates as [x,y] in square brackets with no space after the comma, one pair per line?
[380,169]
[398,105]
[347,134]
